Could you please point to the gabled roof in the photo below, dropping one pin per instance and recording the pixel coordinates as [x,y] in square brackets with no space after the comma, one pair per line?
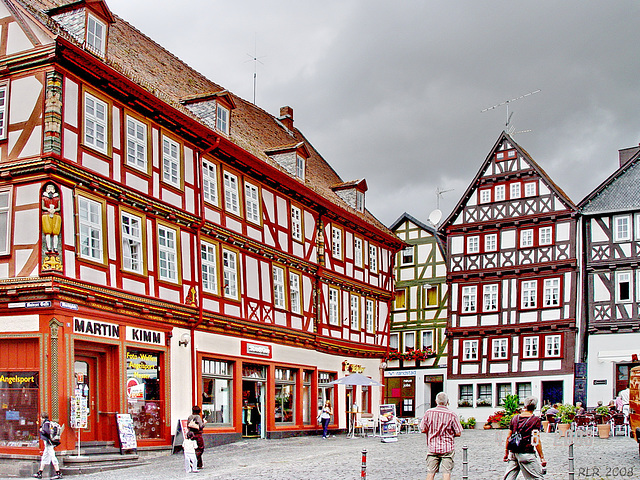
[360,184]
[153,68]
[620,192]
[428,228]
[504,136]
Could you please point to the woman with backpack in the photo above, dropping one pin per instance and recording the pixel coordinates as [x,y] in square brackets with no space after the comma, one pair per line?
[521,445]
[48,454]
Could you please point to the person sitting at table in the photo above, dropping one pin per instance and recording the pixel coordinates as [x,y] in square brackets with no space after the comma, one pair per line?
[553,410]
[580,409]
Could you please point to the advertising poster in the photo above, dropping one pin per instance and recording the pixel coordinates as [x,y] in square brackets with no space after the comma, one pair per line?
[388,423]
[126,432]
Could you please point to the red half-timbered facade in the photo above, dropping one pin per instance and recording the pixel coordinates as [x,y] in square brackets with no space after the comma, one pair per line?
[166,243]
[512,281]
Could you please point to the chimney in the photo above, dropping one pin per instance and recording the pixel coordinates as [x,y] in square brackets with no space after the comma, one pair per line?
[626,154]
[286,117]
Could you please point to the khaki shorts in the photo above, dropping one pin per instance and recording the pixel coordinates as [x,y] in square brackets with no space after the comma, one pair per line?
[437,460]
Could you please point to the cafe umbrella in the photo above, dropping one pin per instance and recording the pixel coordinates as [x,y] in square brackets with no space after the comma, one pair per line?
[355,379]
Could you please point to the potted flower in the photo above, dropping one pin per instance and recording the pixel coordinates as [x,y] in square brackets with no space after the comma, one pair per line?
[494,419]
[602,419]
[470,423]
[566,412]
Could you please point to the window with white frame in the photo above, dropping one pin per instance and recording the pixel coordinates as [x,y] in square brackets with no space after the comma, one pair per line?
[470,349]
[170,161]
[231,202]
[431,295]
[230,273]
[95,123]
[490,297]
[167,253]
[359,201]
[530,189]
[294,293]
[355,312]
[334,306]
[296,223]
[393,341]
[300,167]
[465,396]
[96,35]
[530,347]
[491,242]
[500,156]
[473,244]
[499,348]
[406,256]
[552,345]
[427,339]
[623,287]
[222,119]
[523,390]
[545,236]
[357,252]
[499,193]
[621,228]
[529,293]
[469,299]
[336,243]
[278,287]
[90,229]
[136,144]
[210,182]
[4,101]
[503,389]
[373,258]
[514,190]
[370,316]
[526,238]
[5,220]
[132,253]
[485,195]
[551,292]
[252,203]
[409,341]
[209,267]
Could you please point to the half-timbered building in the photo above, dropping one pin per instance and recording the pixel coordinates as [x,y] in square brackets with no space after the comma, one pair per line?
[511,249]
[416,366]
[165,243]
[610,323]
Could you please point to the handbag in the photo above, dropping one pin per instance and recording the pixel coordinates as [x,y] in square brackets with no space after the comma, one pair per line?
[193,424]
[516,437]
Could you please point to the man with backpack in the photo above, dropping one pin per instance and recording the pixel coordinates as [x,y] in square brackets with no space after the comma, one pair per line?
[523,441]
[51,439]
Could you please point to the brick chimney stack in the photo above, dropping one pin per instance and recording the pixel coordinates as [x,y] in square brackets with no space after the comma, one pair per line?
[625,154]
[286,117]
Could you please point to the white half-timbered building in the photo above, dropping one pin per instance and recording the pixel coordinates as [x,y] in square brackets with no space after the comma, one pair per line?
[165,243]
[511,253]
[610,324]
[416,366]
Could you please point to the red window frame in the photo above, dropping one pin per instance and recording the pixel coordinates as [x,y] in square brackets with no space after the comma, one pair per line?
[536,235]
[478,352]
[540,292]
[538,356]
[557,334]
[490,346]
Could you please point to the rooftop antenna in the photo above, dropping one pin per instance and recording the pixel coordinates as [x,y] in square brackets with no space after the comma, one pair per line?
[256,60]
[439,193]
[507,102]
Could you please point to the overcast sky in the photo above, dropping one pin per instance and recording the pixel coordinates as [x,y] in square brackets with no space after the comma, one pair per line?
[392,91]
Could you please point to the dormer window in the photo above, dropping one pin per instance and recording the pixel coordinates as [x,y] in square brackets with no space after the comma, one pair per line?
[96,35]
[359,201]
[352,193]
[213,109]
[292,158]
[222,119]
[300,167]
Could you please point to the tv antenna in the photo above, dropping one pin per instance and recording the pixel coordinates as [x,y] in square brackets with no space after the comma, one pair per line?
[256,60]
[507,102]
[439,193]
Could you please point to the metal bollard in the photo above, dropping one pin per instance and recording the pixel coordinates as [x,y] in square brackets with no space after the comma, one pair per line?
[571,467]
[363,472]
[465,463]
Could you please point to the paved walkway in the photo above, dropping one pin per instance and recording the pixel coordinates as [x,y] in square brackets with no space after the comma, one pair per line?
[339,458]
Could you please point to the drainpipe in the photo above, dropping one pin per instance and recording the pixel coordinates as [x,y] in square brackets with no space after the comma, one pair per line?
[194,365]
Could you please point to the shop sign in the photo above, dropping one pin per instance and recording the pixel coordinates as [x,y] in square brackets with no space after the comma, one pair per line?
[96,328]
[352,367]
[433,378]
[18,379]
[256,349]
[399,373]
[142,335]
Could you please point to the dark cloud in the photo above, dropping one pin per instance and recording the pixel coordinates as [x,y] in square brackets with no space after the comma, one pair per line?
[392,91]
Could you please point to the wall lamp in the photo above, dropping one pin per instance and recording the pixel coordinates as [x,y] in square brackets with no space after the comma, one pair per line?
[184,340]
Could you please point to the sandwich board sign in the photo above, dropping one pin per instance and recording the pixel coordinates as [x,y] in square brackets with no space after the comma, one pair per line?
[388,424]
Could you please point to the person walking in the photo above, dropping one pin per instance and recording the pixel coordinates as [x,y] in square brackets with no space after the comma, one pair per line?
[196,426]
[325,418]
[440,425]
[48,454]
[523,441]
[189,446]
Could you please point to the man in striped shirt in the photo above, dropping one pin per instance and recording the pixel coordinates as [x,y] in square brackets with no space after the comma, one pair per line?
[441,426]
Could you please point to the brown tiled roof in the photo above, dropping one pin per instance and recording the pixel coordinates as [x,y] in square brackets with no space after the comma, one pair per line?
[253,129]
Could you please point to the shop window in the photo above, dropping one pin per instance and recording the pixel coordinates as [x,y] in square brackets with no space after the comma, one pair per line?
[307,375]
[217,392]
[143,393]
[285,395]
[19,420]
[325,389]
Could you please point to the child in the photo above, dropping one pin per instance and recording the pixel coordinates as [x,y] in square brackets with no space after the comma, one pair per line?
[189,446]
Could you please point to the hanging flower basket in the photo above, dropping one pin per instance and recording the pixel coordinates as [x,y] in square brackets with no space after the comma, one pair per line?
[409,355]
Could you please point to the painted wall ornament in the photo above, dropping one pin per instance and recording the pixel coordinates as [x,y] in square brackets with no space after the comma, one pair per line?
[51,228]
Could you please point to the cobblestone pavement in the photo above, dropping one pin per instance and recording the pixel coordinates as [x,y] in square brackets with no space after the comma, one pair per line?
[339,458]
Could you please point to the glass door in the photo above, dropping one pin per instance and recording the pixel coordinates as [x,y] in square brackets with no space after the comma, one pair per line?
[85,385]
